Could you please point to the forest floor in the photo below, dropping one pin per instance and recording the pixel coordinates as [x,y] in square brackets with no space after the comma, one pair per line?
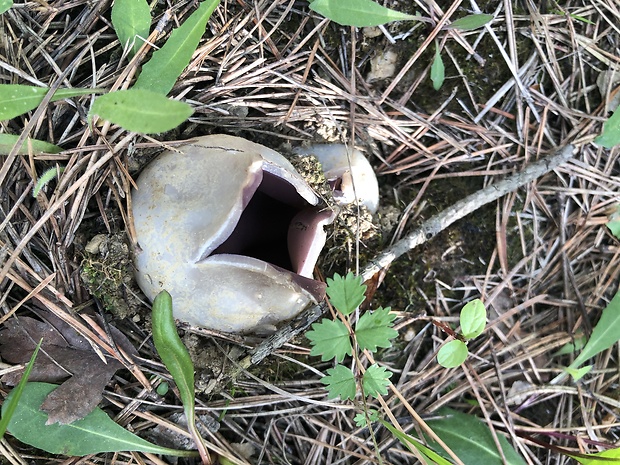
[539,77]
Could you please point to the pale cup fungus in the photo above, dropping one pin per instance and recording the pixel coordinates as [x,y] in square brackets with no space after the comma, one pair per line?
[231,231]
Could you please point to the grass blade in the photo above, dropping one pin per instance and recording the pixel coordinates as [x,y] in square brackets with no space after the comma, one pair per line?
[10,406]
[7,141]
[18,99]
[358,13]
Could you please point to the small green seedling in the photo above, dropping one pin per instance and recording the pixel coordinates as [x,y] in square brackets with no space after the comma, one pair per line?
[336,339]
[473,320]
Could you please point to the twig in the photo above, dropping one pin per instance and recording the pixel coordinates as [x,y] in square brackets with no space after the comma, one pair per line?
[462,208]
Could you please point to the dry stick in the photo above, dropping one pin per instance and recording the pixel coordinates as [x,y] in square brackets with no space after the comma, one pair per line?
[462,208]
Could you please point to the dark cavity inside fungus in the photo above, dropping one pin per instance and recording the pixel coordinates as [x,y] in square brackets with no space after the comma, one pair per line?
[262,230]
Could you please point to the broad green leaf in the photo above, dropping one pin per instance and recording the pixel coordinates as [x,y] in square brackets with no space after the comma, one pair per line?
[438,71]
[10,405]
[46,177]
[330,339]
[358,13]
[131,20]
[346,294]
[611,131]
[604,335]
[578,373]
[606,454]
[410,443]
[7,141]
[473,319]
[340,382]
[17,99]
[452,354]
[5,5]
[166,65]
[140,110]
[376,380]
[95,433]
[470,439]
[470,22]
[374,329]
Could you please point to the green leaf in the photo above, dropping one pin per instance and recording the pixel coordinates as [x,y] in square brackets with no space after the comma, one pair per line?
[595,458]
[17,99]
[581,18]
[614,223]
[330,339]
[46,177]
[473,319]
[172,351]
[340,382]
[358,13]
[374,329]
[470,22]
[166,65]
[376,380]
[93,434]
[7,141]
[364,418]
[410,443]
[10,405]
[570,348]
[452,354]
[5,5]
[604,335]
[346,294]
[438,71]
[131,20]
[141,110]
[578,373]
[611,131]
[470,439]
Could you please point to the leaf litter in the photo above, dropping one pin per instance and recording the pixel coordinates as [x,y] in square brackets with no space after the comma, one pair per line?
[65,357]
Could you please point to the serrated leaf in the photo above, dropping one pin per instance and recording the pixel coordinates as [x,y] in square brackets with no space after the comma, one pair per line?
[376,380]
[95,433]
[358,13]
[469,22]
[131,20]
[5,5]
[330,339]
[340,382]
[604,335]
[10,405]
[141,111]
[470,439]
[346,294]
[362,419]
[610,137]
[161,72]
[17,99]
[438,71]
[411,443]
[452,354]
[594,459]
[374,329]
[473,319]
[7,141]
